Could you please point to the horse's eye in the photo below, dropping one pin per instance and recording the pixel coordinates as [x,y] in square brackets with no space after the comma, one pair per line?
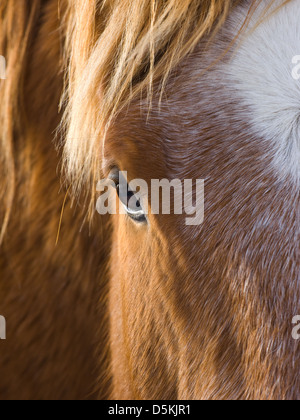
[129,200]
[132,205]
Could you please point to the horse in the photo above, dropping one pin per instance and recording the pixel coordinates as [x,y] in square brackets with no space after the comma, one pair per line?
[149,308]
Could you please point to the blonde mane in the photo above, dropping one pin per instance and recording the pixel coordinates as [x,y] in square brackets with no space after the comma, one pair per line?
[118,48]
[16,26]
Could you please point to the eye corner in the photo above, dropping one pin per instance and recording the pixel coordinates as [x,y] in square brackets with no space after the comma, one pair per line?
[113,173]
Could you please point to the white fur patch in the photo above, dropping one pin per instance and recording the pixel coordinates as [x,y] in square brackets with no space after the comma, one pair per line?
[262,71]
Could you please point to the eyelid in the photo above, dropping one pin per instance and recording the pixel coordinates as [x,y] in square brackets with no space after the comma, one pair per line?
[109,166]
[114,175]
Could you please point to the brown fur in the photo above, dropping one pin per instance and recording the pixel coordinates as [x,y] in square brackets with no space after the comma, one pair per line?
[203,313]
[54,315]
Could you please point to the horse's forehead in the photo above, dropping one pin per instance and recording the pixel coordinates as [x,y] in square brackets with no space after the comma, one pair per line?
[249,97]
[263,74]
[254,89]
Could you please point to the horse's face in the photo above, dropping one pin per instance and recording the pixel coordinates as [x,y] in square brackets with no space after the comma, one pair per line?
[206,295]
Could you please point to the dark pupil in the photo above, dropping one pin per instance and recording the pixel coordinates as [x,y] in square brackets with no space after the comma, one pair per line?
[125,201]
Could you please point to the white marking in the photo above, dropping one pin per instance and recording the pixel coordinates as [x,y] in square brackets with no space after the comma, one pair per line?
[260,71]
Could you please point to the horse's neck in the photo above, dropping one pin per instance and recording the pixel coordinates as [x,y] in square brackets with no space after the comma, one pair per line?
[41,284]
